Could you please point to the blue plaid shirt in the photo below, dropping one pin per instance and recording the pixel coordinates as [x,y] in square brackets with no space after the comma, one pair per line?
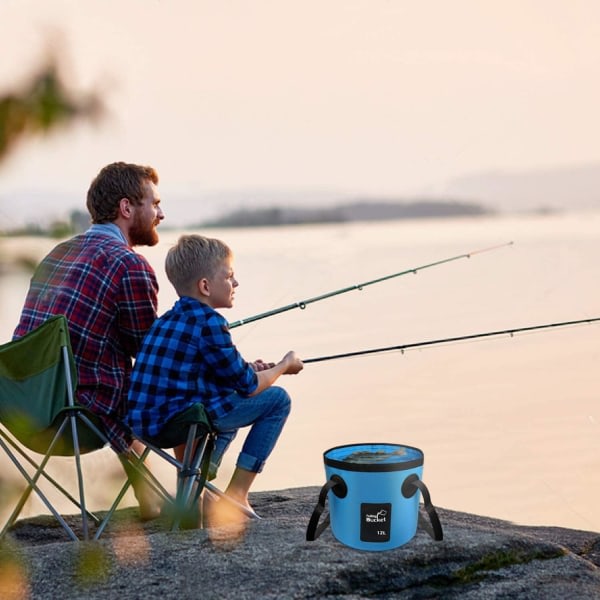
[187,357]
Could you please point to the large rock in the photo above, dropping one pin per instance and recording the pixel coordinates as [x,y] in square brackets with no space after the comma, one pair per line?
[478,558]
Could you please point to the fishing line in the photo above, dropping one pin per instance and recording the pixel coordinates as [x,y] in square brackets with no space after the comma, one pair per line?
[302,304]
[461,338]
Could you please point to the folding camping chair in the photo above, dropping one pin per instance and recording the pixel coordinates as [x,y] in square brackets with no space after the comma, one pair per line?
[192,428]
[38,413]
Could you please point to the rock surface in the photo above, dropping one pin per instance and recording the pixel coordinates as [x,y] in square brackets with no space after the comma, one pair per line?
[479,558]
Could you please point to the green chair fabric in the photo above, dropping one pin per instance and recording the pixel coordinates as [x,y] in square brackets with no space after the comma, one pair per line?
[33,388]
[38,412]
[176,429]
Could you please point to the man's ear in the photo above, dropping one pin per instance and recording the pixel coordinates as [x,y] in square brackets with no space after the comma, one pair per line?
[125,208]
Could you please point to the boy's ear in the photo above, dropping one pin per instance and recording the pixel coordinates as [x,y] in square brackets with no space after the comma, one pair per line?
[203,287]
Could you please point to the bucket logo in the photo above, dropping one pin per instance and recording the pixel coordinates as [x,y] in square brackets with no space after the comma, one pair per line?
[375,522]
[378,517]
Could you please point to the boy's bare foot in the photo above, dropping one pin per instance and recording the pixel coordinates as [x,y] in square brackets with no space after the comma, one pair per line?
[224,519]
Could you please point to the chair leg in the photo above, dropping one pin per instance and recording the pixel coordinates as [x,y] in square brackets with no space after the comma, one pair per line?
[134,468]
[45,475]
[84,518]
[32,486]
[186,498]
[40,471]
[189,471]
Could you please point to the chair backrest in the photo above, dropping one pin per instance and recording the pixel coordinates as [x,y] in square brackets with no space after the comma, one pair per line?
[33,381]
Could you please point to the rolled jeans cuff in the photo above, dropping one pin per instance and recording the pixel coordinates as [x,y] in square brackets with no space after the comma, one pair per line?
[250,463]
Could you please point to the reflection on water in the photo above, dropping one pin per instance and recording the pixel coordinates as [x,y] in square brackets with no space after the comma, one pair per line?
[372,454]
[366,457]
[488,415]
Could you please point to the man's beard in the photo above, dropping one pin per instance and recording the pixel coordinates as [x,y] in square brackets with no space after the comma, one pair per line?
[141,234]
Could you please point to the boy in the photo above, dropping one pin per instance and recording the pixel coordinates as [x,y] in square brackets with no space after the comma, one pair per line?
[188,357]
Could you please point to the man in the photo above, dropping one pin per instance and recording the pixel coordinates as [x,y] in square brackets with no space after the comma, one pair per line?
[108,294]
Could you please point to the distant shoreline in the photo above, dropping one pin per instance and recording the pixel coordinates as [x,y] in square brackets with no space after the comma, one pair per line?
[363,210]
[348,212]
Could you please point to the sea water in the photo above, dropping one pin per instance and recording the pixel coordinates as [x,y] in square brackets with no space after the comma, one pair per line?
[510,426]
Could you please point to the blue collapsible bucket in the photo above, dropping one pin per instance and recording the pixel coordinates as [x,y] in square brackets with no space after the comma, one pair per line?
[374,492]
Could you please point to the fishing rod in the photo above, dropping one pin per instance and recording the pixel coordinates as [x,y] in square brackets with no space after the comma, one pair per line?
[302,304]
[460,338]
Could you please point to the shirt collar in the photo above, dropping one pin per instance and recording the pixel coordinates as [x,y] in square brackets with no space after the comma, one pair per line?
[109,229]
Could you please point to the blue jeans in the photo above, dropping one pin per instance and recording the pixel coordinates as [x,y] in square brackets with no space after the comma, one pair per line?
[266,413]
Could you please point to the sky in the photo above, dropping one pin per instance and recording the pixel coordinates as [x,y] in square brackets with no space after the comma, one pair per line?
[306,99]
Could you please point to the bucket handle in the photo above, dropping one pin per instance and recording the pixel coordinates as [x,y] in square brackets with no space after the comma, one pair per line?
[409,488]
[338,486]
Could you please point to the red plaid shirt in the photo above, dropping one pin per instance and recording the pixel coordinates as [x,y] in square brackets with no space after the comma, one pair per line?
[108,294]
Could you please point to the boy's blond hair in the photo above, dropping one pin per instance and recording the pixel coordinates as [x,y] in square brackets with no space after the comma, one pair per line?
[194,257]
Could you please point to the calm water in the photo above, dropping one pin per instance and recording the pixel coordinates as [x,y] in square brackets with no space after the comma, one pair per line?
[509,427]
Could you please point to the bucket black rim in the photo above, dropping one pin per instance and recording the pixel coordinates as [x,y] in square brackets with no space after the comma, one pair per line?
[373,467]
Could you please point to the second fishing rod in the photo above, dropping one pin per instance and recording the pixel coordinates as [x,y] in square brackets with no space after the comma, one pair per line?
[302,304]
[449,340]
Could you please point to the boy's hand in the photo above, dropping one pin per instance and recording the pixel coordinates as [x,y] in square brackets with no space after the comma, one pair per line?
[293,363]
[261,365]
